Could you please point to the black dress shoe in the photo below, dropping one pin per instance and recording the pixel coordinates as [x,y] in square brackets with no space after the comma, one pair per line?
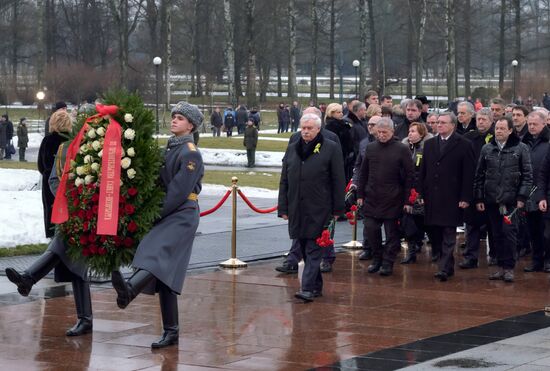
[547,267]
[317,294]
[409,259]
[23,281]
[306,296]
[326,267]
[83,326]
[287,268]
[468,264]
[435,257]
[365,255]
[533,268]
[168,338]
[386,270]
[442,276]
[374,267]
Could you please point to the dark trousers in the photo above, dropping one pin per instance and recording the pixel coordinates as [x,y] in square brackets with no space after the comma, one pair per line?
[229,132]
[251,156]
[504,236]
[22,153]
[295,253]
[444,241]
[523,238]
[312,253]
[295,124]
[535,222]
[216,130]
[387,252]
[474,233]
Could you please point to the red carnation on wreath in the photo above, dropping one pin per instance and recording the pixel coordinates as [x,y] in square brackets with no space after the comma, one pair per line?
[325,239]
[140,197]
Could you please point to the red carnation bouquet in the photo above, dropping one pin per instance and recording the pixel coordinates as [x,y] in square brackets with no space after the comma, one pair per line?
[351,215]
[325,240]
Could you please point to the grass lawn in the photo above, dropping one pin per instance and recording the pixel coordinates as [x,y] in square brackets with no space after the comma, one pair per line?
[235,143]
[18,165]
[34,249]
[259,179]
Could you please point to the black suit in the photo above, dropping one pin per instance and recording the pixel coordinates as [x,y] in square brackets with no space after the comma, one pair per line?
[446,178]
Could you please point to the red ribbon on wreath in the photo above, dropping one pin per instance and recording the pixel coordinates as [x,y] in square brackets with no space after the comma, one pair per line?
[109,190]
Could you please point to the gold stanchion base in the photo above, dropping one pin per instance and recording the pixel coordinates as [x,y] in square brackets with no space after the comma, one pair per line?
[233,263]
[353,245]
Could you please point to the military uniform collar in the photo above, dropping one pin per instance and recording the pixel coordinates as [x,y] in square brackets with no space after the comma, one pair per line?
[176,141]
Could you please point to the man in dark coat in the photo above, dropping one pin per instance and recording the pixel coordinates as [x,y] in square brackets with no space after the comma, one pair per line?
[311,193]
[241,118]
[446,178]
[537,139]
[3,141]
[413,113]
[295,115]
[250,141]
[216,121]
[355,117]
[163,254]
[9,135]
[519,118]
[386,162]
[503,182]
[476,221]
[466,118]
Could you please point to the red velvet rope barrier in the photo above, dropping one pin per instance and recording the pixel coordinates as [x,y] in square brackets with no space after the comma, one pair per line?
[261,211]
[218,205]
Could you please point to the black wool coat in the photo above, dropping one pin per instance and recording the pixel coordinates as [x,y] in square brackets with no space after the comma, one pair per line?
[538,148]
[311,191]
[446,178]
[385,179]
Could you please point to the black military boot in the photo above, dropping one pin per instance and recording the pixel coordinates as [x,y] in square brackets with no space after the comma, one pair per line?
[83,303]
[170,322]
[42,266]
[411,254]
[128,290]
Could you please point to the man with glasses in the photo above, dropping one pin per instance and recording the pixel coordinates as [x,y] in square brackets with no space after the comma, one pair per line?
[446,178]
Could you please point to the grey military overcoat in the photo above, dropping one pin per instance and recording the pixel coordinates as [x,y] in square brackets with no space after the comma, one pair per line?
[165,251]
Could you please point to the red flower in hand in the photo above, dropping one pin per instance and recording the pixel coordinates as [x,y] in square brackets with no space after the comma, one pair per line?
[507,220]
[413,196]
[353,208]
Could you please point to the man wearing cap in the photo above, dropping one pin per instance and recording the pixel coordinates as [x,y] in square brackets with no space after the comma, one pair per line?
[56,107]
[163,255]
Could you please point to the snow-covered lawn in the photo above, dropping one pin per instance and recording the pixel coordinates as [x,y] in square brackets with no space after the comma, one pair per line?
[21,219]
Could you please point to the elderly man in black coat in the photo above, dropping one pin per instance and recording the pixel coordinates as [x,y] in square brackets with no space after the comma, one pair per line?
[502,184]
[446,178]
[311,193]
[384,185]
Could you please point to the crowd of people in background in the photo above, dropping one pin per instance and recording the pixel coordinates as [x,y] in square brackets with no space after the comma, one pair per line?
[417,174]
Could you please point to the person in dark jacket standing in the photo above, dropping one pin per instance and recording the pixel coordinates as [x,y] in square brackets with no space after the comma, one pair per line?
[476,221]
[502,184]
[60,126]
[9,136]
[295,115]
[22,138]
[241,118]
[3,141]
[250,142]
[387,162]
[216,121]
[446,178]
[413,113]
[537,139]
[355,117]
[229,121]
[466,118]
[311,193]
[163,254]
[334,121]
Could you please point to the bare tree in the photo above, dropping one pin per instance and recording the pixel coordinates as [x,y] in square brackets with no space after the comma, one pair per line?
[292,14]
[251,65]
[363,40]
[314,49]
[229,51]
[451,50]
[501,46]
[420,45]
[467,48]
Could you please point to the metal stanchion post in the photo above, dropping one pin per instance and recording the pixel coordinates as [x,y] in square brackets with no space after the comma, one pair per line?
[354,244]
[233,262]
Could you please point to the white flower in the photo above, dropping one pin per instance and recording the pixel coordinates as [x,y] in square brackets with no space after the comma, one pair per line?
[96,145]
[95,167]
[131,152]
[72,176]
[125,162]
[88,159]
[89,179]
[131,174]
[78,181]
[91,133]
[80,170]
[100,131]
[83,148]
[129,134]
[100,154]
[128,117]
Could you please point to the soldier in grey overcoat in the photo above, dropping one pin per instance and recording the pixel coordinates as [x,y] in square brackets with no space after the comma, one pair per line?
[66,269]
[163,255]
[311,192]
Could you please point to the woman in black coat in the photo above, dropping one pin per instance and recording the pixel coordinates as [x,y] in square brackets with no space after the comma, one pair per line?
[60,126]
[334,121]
